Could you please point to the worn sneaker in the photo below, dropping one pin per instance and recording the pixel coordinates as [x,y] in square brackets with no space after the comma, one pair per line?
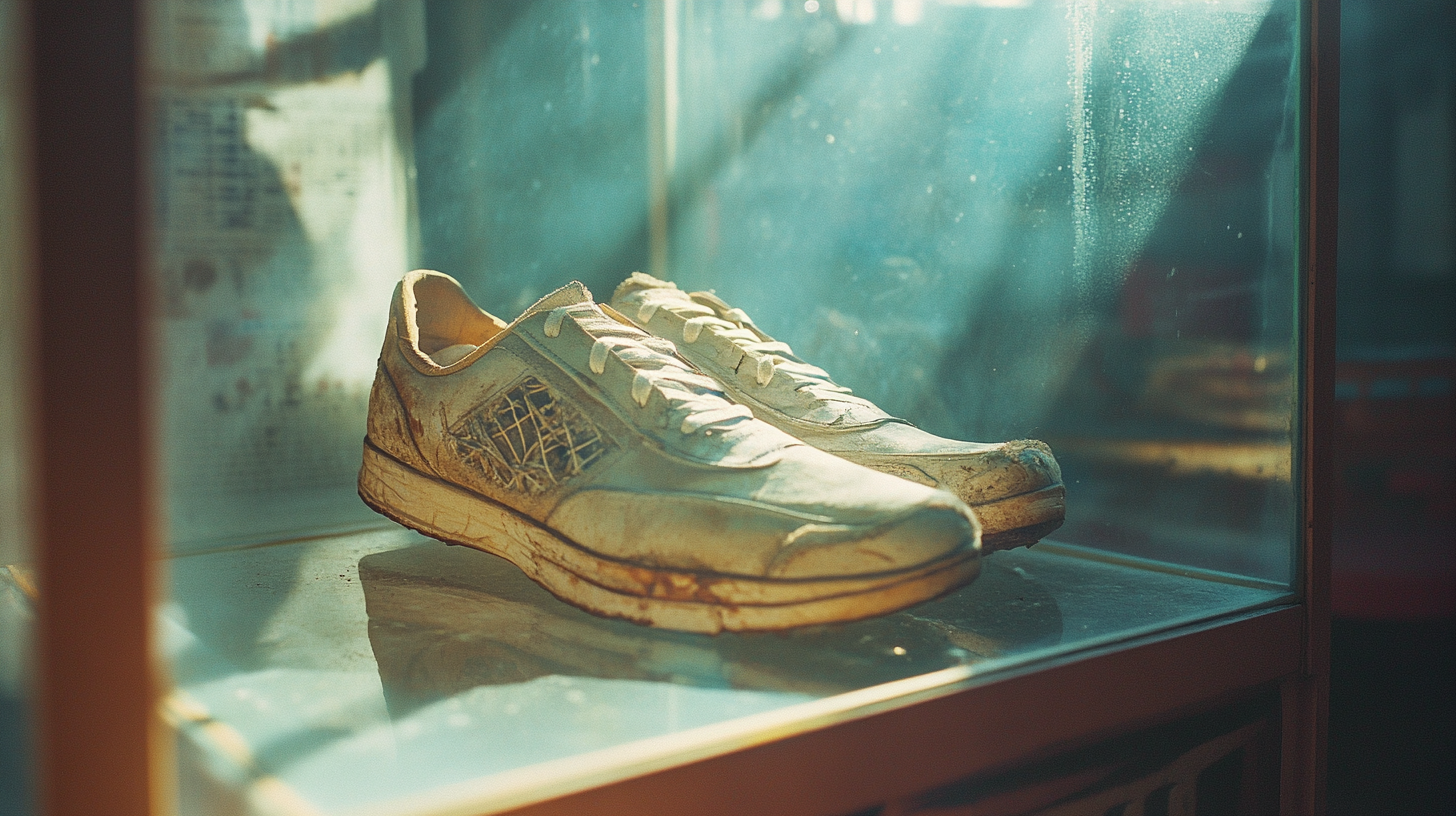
[1014,487]
[588,454]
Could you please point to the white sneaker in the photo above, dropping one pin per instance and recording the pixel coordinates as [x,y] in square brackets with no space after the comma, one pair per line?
[589,455]
[1014,487]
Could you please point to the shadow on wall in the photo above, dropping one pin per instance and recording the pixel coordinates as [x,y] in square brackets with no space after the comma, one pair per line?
[281,198]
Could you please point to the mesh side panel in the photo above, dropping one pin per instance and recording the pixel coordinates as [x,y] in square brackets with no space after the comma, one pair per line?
[528,440]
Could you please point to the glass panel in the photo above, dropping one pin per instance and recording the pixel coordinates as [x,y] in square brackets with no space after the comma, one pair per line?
[1072,221]
[1064,221]
[17,586]
[283,216]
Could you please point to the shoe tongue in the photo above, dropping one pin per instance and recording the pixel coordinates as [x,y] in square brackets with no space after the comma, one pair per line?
[568,295]
[824,409]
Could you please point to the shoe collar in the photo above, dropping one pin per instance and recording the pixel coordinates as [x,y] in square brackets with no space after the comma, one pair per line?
[431,311]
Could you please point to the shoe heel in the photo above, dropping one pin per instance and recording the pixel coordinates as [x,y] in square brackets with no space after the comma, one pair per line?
[1038,513]
[442,511]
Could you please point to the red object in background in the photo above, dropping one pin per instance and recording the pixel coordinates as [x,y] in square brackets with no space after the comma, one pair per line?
[1395,519]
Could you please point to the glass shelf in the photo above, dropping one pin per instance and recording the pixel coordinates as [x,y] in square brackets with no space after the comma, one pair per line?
[353,670]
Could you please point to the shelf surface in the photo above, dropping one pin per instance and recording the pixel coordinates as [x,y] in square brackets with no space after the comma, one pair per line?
[347,672]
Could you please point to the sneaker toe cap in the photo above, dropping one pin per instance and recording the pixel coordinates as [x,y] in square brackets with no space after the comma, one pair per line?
[978,477]
[929,534]
[706,534]
[1010,469]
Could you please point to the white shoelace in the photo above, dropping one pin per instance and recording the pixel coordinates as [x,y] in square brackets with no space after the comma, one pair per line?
[770,355]
[655,368]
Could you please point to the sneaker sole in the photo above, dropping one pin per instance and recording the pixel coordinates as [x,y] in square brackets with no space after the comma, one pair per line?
[1034,515]
[679,600]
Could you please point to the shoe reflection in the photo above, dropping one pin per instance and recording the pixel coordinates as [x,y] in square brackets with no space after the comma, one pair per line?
[443,620]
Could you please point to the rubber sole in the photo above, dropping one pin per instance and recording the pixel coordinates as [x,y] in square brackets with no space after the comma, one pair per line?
[669,599]
[1021,521]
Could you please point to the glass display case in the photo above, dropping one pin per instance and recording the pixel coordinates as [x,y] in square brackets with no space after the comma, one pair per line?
[1089,222]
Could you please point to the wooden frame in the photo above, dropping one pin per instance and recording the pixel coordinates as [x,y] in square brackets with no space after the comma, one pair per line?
[100,749]
[1306,695]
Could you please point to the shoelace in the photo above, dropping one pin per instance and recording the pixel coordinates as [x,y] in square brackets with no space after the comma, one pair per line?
[654,366]
[771,355]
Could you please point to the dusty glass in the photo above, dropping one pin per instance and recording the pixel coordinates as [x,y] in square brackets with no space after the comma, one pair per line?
[1073,221]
